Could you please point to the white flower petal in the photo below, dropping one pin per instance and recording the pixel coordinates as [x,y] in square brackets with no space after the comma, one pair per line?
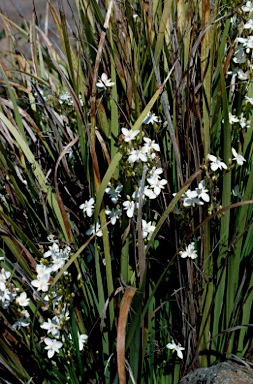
[239,158]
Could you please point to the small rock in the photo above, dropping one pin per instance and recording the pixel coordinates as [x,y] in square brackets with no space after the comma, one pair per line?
[228,372]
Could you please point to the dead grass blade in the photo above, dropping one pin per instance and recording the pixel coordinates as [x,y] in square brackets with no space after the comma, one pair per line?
[121,332]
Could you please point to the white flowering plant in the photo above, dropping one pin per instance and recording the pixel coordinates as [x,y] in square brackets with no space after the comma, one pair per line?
[126,186]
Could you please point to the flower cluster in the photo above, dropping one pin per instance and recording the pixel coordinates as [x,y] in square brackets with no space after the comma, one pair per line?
[245,43]
[54,259]
[241,119]
[216,163]
[138,151]
[53,326]
[52,298]
[192,198]
[58,259]
[243,57]
[138,156]
[200,195]
[7,291]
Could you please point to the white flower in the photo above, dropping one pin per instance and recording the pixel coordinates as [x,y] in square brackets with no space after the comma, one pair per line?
[150,144]
[243,122]
[52,326]
[25,313]
[151,118]
[239,158]
[53,294]
[58,263]
[249,99]
[22,300]
[66,252]
[65,96]
[6,297]
[240,57]
[63,255]
[82,340]
[113,214]
[91,230]
[88,206]
[4,275]
[177,348]
[247,42]
[155,171]
[137,154]
[52,239]
[248,7]
[129,134]
[235,20]
[232,118]
[149,193]
[202,192]
[136,194]
[53,250]
[236,192]
[53,346]
[242,75]
[216,163]
[189,252]
[21,322]
[70,153]
[156,184]
[114,193]
[104,82]
[41,283]
[248,25]
[129,206]
[42,269]
[64,315]
[147,228]
[136,17]
[191,198]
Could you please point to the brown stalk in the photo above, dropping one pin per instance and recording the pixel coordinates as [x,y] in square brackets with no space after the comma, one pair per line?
[121,332]
[222,210]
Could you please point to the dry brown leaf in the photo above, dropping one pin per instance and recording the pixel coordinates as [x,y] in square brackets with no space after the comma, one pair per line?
[121,332]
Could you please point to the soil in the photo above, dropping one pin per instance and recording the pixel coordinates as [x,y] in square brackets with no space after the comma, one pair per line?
[16,10]
[20,10]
